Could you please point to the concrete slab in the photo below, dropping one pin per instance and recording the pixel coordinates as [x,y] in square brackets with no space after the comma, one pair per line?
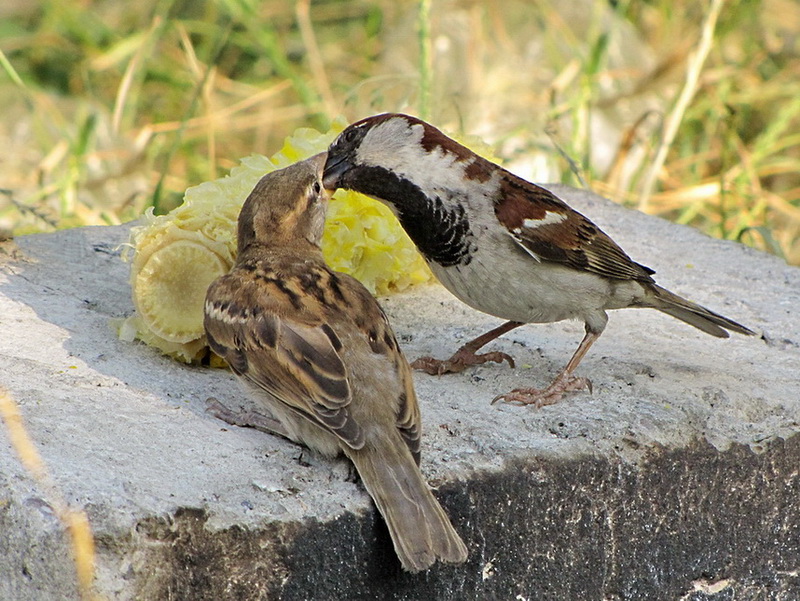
[676,479]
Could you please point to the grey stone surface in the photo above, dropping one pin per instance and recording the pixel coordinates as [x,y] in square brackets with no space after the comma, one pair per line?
[677,479]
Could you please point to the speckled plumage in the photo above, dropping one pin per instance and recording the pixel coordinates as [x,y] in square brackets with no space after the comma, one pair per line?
[318,352]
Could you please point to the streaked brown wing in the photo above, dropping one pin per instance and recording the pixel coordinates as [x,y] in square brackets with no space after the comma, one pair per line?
[296,362]
[551,231]
[408,416]
[372,322]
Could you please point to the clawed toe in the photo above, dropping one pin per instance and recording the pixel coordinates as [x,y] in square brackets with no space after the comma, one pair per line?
[459,362]
[434,367]
[466,355]
[528,396]
[221,412]
[548,396]
[496,357]
[245,419]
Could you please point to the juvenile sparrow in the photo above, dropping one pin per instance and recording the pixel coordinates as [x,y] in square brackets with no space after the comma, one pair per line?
[317,351]
[502,245]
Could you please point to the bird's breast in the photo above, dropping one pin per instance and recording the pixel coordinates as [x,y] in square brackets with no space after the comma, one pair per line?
[503,280]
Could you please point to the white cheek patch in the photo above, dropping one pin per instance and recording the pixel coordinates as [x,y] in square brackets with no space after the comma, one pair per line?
[396,146]
[391,144]
[550,218]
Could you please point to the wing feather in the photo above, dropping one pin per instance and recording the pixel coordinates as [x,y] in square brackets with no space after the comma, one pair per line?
[550,230]
[295,360]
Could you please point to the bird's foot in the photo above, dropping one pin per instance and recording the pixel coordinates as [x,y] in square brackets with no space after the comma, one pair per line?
[245,419]
[563,384]
[459,362]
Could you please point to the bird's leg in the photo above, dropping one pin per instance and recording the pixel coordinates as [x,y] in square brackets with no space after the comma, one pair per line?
[245,419]
[465,356]
[563,383]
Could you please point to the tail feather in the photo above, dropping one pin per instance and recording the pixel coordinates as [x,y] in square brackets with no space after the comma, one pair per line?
[695,315]
[419,527]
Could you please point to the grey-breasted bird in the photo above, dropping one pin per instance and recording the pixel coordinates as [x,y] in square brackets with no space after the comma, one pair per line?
[501,244]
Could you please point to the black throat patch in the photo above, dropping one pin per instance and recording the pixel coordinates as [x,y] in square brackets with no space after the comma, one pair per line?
[441,233]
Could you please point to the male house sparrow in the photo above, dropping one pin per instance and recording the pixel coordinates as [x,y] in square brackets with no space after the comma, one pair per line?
[316,349]
[502,245]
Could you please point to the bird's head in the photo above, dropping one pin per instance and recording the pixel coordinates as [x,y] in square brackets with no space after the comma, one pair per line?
[379,140]
[424,177]
[372,155]
[286,206]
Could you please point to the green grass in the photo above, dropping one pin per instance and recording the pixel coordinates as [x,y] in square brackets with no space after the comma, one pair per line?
[110,107]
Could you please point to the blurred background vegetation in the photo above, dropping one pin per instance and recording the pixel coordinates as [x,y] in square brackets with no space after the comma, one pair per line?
[686,109]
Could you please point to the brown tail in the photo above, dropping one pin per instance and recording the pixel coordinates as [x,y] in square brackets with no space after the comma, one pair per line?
[420,529]
[695,315]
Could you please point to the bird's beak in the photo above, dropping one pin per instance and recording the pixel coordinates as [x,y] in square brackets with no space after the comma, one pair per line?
[318,160]
[335,167]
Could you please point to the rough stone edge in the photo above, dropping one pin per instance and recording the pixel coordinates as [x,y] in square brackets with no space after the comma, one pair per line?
[719,526]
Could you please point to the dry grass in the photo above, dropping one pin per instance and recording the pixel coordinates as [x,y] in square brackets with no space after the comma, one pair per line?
[110,107]
[74,521]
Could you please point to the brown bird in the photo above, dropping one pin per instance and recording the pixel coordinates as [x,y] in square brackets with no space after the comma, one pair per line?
[318,353]
[501,244]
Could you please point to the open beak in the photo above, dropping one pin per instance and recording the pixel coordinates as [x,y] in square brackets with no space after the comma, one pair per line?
[335,168]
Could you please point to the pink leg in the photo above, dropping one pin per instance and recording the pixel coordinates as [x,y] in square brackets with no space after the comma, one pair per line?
[563,383]
[465,356]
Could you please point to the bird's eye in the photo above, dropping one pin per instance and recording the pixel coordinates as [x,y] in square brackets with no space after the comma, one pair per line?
[316,188]
[349,135]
